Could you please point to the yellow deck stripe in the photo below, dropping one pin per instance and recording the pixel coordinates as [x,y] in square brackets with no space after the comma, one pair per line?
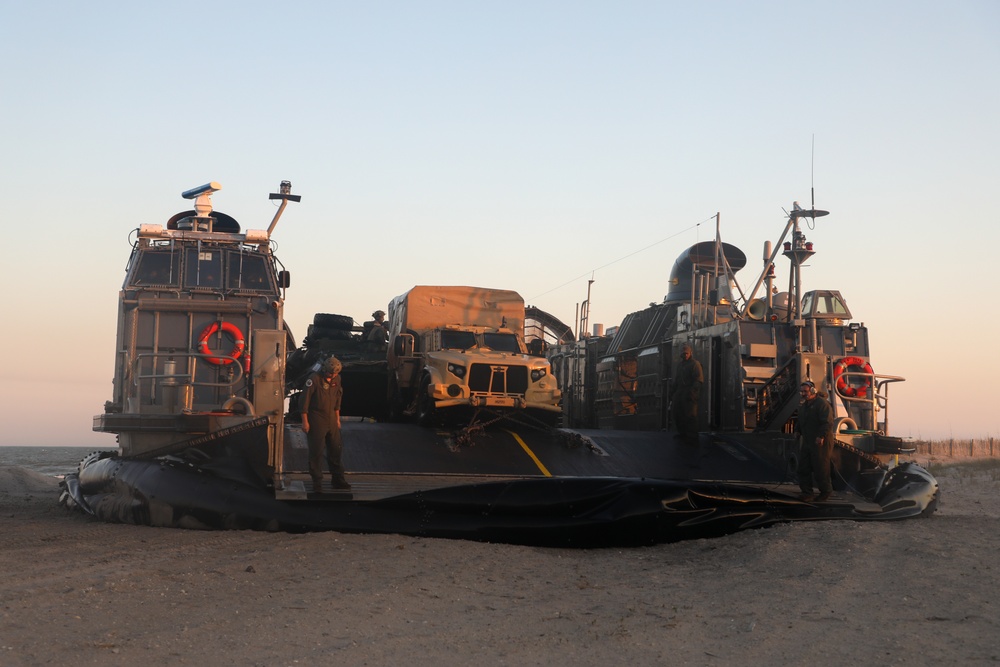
[530,453]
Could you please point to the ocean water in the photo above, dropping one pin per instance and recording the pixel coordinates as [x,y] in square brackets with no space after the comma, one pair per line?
[54,461]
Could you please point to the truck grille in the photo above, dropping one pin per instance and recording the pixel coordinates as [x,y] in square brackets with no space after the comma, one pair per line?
[516,378]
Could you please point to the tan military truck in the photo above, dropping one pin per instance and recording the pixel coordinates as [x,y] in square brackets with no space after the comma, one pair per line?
[454,349]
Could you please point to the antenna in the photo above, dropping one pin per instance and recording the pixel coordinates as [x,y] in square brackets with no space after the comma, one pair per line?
[797,250]
[285,195]
[812,213]
[585,311]
[812,173]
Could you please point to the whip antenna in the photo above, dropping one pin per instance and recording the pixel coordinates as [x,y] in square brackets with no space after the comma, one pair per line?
[812,173]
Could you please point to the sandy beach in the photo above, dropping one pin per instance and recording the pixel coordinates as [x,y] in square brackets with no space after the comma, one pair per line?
[918,591]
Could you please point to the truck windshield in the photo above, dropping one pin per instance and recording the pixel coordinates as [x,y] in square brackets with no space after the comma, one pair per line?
[501,342]
[457,340]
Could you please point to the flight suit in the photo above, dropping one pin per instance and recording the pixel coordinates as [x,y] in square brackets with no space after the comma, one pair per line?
[321,403]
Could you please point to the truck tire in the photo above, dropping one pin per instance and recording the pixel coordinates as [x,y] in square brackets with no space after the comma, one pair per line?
[329,321]
[317,332]
[396,406]
[298,366]
[426,414]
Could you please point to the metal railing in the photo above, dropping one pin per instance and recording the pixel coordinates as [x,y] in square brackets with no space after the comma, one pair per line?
[775,394]
[176,388]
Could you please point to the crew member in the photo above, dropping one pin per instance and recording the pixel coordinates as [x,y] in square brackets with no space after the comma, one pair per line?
[686,395]
[380,331]
[815,423]
[321,422]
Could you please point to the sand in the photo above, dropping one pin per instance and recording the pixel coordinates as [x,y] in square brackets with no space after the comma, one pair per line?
[919,591]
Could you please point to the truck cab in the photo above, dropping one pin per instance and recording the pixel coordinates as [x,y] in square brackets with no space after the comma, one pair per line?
[463,347]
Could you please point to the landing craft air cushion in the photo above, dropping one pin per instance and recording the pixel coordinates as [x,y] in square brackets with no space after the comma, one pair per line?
[202,377]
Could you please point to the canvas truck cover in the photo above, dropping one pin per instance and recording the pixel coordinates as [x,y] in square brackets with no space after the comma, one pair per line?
[426,307]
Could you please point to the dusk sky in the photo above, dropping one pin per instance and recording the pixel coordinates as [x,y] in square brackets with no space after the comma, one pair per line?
[522,145]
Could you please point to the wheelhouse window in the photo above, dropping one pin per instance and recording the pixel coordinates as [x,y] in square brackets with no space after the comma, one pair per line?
[159,268]
[825,304]
[248,271]
[203,268]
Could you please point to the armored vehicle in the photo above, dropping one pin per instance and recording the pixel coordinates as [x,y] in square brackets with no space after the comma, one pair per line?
[364,372]
[463,347]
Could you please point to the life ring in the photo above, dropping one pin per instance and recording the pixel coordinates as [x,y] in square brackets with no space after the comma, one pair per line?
[239,342]
[845,389]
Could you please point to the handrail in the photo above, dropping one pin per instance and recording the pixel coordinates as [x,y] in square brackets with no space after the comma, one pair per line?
[883,399]
[877,398]
[870,377]
[775,393]
[168,381]
[195,355]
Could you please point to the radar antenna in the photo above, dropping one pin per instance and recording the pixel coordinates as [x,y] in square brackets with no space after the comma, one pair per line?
[202,196]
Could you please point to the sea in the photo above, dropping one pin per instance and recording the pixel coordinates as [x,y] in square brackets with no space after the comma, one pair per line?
[54,461]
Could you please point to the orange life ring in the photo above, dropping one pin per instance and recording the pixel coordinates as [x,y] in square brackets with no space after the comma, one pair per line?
[848,390]
[239,342]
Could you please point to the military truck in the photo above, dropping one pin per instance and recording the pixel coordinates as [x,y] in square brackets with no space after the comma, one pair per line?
[459,350]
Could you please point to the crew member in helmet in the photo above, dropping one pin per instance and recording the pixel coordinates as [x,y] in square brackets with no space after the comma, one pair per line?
[380,330]
[321,422]
[815,424]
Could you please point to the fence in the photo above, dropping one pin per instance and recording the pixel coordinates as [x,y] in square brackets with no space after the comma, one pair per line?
[977,447]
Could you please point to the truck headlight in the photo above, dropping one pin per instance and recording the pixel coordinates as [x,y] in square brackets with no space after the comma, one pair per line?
[456,370]
[537,374]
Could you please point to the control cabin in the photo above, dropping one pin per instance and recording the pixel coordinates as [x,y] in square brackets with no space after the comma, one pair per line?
[754,356]
[201,340]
